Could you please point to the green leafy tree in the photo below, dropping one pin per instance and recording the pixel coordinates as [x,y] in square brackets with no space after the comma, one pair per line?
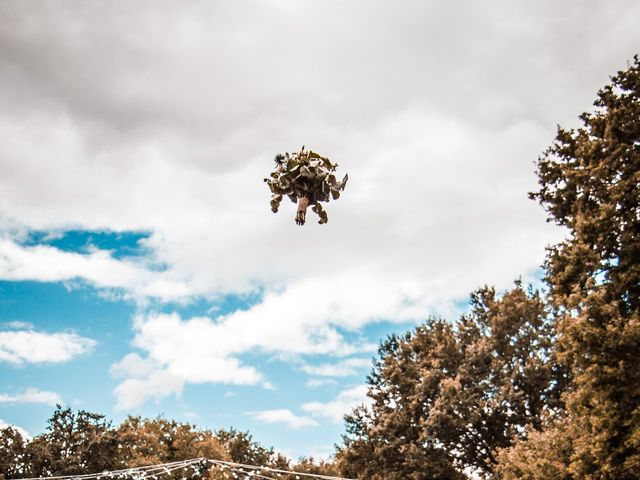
[446,397]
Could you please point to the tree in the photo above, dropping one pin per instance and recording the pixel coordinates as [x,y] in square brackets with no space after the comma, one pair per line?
[82,442]
[241,448]
[151,441]
[386,440]
[311,465]
[541,455]
[75,443]
[509,378]
[590,184]
[446,397]
[12,453]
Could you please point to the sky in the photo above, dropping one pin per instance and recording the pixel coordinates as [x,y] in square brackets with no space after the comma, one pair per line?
[141,269]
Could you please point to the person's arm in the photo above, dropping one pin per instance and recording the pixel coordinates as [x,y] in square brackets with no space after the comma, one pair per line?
[301,214]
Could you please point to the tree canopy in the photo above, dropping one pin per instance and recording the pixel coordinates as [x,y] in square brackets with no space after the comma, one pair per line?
[590,184]
[83,442]
[447,396]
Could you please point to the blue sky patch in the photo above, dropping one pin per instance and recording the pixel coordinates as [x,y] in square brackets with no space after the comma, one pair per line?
[120,244]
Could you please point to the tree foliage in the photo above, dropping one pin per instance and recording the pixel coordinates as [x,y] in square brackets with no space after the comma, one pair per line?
[541,455]
[12,453]
[76,442]
[447,396]
[242,448]
[151,441]
[590,184]
[83,442]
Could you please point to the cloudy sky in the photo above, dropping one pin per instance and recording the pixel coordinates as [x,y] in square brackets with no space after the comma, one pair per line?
[141,270]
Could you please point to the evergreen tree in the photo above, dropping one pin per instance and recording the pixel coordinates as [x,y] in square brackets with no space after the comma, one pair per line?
[590,184]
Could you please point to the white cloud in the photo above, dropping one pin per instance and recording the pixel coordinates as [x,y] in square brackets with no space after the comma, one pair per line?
[436,161]
[283,416]
[29,346]
[445,183]
[20,430]
[344,368]
[144,378]
[49,264]
[178,353]
[319,382]
[132,365]
[17,325]
[133,392]
[335,410]
[32,395]
[304,319]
